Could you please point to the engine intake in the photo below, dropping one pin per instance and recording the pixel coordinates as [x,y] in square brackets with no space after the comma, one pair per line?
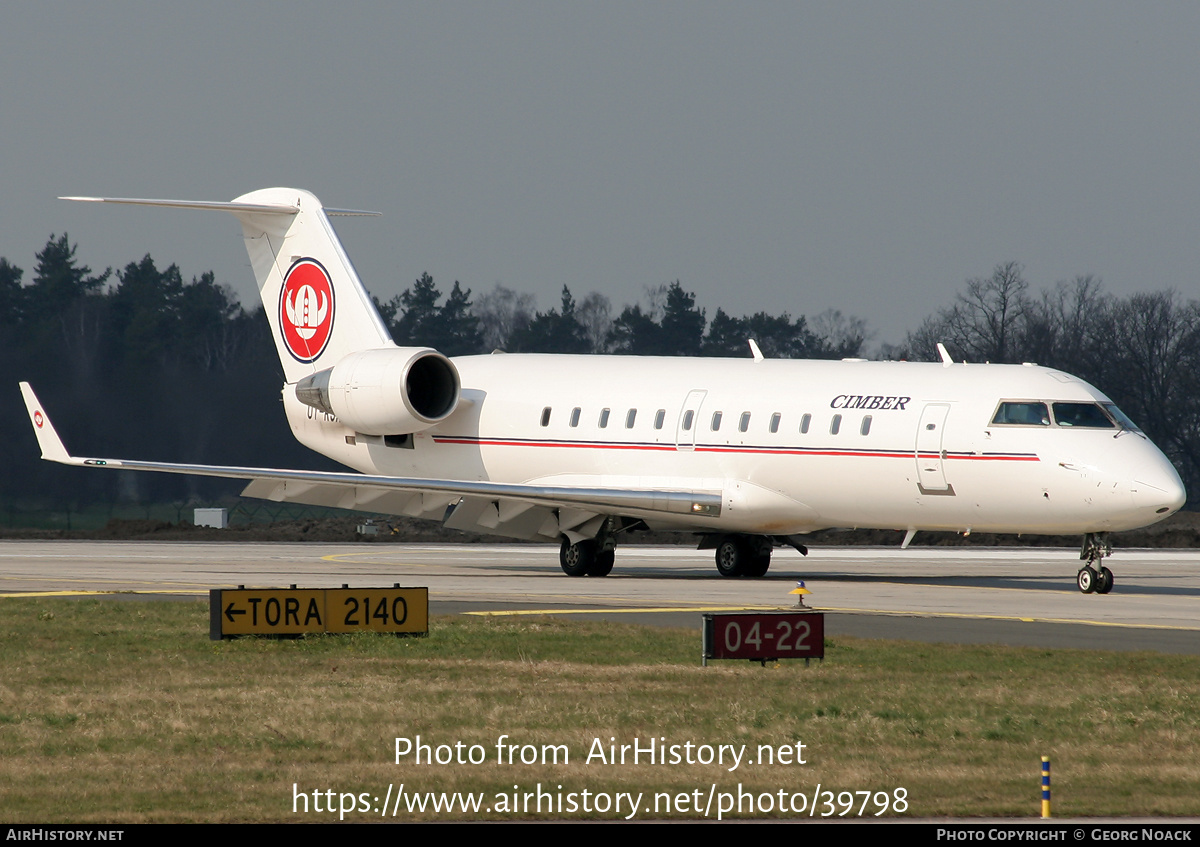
[388,391]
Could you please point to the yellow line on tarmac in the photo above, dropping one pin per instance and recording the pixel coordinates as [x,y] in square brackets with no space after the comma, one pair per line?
[891,613]
[100,593]
[7,595]
[981,617]
[95,580]
[345,557]
[515,612]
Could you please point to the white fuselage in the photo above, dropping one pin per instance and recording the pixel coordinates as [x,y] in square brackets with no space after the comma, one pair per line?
[792,450]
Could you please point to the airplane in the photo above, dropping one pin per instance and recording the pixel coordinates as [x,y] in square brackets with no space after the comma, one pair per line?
[748,454]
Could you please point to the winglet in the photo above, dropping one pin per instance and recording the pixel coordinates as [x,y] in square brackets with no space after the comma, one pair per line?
[946,360]
[48,440]
[755,352]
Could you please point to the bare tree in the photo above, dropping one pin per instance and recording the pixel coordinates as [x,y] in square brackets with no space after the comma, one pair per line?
[502,312]
[656,301]
[985,322]
[1061,329]
[595,313]
[842,335]
[1154,359]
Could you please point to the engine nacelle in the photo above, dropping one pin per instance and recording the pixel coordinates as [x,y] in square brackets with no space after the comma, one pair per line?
[387,391]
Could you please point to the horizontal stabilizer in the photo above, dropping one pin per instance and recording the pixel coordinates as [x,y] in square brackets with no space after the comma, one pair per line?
[219,206]
[215,206]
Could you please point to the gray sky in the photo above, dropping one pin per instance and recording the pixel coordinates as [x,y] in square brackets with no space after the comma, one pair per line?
[867,157]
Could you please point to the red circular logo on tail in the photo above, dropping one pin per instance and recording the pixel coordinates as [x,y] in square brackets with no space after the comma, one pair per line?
[38,419]
[306,310]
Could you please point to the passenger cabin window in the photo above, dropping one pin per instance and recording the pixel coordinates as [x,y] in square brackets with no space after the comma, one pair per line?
[630,417]
[775,422]
[1087,415]
[744,423]
[1021,413]
[575,416]
[659,417]
[835,425]
[716,421]
[546,416]
[865,429]
[603,418]
[687,420]
[804,422]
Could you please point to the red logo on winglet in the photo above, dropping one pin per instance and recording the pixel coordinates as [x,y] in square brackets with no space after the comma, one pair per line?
[38,419]
[306,310]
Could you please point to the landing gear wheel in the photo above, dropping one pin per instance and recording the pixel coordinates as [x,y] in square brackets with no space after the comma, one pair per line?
[577,559]
[602,565]
[758,564]
[1096,548]
[731,556]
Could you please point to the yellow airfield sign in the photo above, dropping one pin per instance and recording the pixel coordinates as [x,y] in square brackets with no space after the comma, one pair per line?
[274,611]
[289,612]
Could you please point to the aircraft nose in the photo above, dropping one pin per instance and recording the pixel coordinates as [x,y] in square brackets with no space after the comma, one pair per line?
[1159,490]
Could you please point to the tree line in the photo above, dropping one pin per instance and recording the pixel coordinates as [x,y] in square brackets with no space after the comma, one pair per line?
[668,324]
[145,364]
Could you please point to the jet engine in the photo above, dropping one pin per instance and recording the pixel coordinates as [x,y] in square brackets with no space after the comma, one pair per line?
[387,391]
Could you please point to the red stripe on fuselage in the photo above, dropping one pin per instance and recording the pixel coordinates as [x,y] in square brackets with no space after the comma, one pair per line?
[702,448]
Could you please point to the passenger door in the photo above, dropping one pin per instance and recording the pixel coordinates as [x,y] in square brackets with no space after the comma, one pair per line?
[930,455]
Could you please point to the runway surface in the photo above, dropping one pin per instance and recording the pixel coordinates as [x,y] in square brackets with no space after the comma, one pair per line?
[994,595]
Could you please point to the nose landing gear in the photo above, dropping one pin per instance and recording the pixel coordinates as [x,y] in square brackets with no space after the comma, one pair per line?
[1091,579]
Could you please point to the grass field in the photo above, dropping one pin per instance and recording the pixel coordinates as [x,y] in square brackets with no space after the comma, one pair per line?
[126,712]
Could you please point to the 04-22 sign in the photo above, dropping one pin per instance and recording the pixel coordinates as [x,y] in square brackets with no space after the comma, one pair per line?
[761,636]
[787,638]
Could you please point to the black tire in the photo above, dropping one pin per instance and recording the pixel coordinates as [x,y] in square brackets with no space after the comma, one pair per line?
[602,564]
[1105,583]
[758,564]
[731,556]
[576,559]
[1087,579]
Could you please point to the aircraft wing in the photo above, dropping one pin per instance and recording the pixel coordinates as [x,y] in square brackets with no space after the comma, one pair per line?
[513,509]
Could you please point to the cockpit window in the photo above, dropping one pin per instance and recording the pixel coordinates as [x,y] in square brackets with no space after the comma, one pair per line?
[1066,414]
[1022,413]
[1081,414]
[1120,417]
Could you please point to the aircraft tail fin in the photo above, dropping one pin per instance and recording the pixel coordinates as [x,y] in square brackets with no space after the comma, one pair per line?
[317,306]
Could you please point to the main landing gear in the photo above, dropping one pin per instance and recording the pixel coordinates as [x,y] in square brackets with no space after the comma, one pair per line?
[743,555]
[737,555]
[585,558]
[1090,578]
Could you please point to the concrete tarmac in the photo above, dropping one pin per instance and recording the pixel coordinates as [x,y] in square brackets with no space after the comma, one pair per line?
[1021,596]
